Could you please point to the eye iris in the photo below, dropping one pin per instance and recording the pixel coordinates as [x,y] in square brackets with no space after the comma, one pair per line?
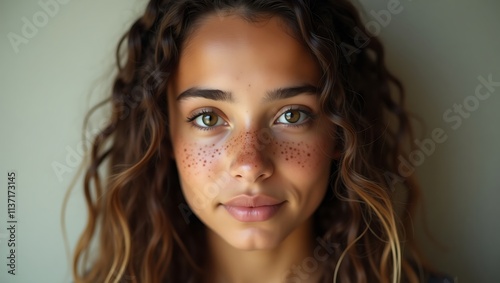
[209,119]
[292,116]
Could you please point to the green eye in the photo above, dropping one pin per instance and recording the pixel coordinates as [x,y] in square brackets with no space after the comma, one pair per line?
[293,116]
[208,120]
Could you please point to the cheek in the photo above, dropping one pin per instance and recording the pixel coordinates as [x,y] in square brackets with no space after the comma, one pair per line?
[197,160]
[197,167]
[304,156]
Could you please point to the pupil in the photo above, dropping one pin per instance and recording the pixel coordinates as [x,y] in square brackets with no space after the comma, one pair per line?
[292,116]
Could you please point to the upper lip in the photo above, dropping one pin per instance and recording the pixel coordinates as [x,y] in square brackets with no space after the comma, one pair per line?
[252,201]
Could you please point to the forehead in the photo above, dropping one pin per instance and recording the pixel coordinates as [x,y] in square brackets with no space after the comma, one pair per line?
[230,47]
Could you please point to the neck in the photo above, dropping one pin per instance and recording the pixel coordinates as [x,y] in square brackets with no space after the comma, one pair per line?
[284,263]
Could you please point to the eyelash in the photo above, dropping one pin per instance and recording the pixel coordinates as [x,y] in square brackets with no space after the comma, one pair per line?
[310,117]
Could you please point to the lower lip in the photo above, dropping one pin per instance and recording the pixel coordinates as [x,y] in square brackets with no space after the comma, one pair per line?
[253,214]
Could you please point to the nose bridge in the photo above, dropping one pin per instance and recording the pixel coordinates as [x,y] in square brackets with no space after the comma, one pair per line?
[250,160]
[248,148]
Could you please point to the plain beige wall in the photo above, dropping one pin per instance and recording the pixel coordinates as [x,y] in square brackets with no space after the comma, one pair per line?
[438,48]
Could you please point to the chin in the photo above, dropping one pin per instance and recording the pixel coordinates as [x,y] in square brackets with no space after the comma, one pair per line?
[252,239]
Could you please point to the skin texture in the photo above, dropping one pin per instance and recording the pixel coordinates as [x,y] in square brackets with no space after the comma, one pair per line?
[252,149]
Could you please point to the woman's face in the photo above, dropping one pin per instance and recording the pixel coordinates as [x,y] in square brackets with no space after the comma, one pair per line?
[252,151]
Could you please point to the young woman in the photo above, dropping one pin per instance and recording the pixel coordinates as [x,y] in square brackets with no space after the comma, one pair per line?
[250,141]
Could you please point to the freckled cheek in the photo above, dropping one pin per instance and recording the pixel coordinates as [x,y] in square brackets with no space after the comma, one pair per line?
[301,155]
[197,160]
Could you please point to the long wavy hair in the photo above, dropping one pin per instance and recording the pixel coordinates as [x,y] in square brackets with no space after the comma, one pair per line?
[135,207]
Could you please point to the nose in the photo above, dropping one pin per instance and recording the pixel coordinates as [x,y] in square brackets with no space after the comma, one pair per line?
[250,159]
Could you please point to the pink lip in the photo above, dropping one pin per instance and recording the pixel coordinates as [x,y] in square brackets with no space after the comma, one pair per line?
[257,208]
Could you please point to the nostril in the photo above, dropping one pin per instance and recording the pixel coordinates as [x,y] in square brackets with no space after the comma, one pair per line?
[261,176]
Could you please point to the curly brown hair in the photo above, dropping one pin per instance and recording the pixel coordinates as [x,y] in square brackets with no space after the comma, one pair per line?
[134,213]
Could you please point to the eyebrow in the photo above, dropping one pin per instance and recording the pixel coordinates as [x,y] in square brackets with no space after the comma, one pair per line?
[288,92]
[213,94]
[220,95]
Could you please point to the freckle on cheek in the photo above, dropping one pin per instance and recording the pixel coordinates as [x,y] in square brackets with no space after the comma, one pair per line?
[197,159]
[299,153]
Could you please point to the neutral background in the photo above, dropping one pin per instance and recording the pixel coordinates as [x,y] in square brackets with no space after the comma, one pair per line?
[438,48]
